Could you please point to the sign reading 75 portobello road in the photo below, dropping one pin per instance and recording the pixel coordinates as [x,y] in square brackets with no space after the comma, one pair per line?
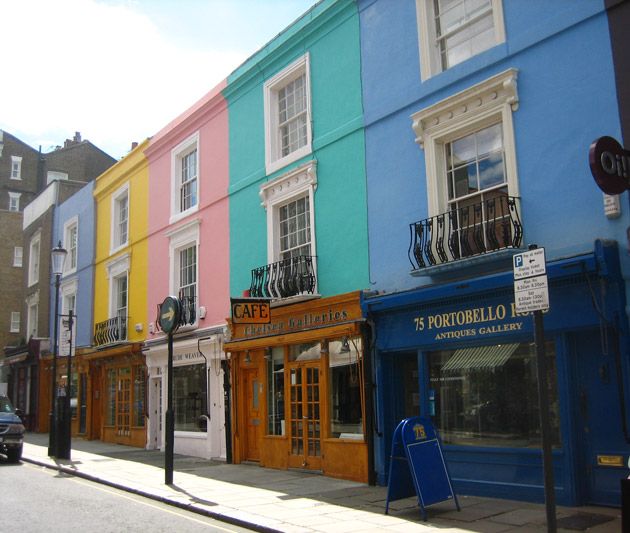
[531,292]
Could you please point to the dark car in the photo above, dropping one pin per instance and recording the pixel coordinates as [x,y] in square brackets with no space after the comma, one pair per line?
[11,431]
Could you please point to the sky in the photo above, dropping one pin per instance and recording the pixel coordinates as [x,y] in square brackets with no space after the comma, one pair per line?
[117,71]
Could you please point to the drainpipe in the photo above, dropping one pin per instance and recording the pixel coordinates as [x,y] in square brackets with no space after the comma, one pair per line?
[368,390]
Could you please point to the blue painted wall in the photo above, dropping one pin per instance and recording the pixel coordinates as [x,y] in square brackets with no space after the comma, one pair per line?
[567,99]
[80,204]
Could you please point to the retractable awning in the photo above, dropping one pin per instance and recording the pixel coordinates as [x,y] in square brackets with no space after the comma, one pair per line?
[480,358]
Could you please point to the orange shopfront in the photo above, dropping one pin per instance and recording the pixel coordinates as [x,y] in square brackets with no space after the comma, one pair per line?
[299,388]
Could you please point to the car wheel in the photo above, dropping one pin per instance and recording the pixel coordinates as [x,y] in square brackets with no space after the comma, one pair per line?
[14,454]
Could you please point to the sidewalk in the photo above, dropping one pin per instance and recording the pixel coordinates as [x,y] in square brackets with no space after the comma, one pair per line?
[278,500]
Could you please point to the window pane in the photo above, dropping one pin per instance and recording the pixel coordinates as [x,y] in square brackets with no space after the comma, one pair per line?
[189,397]
[345,379]
[275,392]
[487,396]
[295,228]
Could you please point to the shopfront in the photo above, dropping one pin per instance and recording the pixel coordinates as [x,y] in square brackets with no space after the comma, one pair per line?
[198,397]
[461,354]
[109,395]
[299,384]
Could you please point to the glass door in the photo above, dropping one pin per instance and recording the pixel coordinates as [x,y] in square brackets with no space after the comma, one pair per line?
[304,412]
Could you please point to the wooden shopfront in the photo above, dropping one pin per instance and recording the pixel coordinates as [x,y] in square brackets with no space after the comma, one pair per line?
[299,388]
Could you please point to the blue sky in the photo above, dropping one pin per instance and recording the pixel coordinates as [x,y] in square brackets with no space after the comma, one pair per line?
[74,63]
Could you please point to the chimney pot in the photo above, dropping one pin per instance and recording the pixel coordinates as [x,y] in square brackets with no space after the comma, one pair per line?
[134,145]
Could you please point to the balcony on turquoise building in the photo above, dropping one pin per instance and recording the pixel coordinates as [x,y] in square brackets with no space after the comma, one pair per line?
[293,276]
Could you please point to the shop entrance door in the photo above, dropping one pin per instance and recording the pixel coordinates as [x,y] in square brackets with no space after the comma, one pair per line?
[252,385]
[598,416]
[304,416]
[95,416]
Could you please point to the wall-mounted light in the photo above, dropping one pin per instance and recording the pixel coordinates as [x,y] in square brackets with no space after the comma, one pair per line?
[247,359]
[202,311]
[139,327]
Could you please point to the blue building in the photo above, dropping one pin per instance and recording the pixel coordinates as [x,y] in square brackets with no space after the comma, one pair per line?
[74,228]
[479,117]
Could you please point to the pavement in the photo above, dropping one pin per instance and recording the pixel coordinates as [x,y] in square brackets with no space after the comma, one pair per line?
[267,500]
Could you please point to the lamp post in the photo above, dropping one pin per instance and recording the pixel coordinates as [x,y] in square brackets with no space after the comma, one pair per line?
[58,258]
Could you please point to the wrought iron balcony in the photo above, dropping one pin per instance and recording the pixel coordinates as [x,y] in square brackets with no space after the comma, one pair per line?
[473,230]
[285,278]
[188,315]
[110,331]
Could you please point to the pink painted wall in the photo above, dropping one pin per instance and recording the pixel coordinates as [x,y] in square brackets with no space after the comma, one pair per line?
[209,118]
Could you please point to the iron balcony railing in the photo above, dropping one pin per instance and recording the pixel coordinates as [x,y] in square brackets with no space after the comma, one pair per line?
[285,278]
[468,231]
[110,331]
[188,311]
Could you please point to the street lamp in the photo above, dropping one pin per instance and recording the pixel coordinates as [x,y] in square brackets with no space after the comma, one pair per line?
[58,258]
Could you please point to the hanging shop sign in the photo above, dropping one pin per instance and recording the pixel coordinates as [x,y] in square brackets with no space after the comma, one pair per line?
[250,311]
[610,165]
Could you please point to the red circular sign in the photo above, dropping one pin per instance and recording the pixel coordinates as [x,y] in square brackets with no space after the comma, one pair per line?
[610,165]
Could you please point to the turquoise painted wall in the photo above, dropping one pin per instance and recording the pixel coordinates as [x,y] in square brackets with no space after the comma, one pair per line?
[329,32]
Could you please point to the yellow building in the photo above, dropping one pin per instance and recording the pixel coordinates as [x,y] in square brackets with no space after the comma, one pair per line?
[116,364]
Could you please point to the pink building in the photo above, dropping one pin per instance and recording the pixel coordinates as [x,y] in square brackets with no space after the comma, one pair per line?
[188,257]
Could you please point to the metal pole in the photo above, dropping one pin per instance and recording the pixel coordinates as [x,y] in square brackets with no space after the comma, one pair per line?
[543,404]
[170,422]
[52,417]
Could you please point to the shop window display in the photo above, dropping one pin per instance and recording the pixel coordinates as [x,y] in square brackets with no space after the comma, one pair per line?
[487,395]
[189,397]
[345,385]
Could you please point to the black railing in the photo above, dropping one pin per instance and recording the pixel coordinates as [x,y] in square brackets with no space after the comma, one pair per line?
[477,229]
[188,315]
[188,311]
[110,331]
[282,279]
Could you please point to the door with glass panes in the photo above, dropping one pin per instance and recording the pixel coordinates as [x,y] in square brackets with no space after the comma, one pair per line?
[304,416]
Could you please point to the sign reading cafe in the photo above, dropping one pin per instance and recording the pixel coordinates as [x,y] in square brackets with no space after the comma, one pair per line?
[471,322]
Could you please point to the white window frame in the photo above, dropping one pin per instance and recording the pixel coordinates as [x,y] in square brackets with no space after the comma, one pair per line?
[273,157]
[34,252]
[181,238]
[32,314]
[489,102]
[15,322]
[68,290]
[116,269]
[16,167]
[72,260]
[14,201]
[299,182]
[18,256]
[177,154]
[117,197]
[430,61]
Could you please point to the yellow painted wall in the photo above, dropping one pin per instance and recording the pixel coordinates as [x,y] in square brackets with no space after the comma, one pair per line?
[133,170]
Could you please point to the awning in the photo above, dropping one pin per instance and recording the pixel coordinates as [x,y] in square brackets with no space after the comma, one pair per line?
[13,359]
[480,358]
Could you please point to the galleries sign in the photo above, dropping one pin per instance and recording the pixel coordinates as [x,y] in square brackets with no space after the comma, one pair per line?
[610,165]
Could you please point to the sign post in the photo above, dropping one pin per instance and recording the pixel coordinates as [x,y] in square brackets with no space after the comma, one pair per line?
[169,317]
[531,293]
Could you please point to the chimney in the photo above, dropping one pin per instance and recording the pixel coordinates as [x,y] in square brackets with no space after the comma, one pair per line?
[134,145]
[77,136]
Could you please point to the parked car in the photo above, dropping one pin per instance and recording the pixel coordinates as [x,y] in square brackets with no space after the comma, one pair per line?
[11,430]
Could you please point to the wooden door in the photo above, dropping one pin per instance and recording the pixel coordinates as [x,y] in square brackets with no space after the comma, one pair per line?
[253,396]
[304,416]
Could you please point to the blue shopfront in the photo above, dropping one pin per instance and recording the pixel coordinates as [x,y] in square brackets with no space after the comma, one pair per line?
[459,353]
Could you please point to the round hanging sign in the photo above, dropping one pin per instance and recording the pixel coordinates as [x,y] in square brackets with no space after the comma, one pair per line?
[170,312]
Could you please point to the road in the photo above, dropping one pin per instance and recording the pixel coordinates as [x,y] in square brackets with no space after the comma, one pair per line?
[37,499]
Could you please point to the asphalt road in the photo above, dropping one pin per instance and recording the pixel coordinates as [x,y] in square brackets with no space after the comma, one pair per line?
[37,499]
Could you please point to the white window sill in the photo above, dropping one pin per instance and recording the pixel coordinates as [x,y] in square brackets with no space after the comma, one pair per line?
[183,214]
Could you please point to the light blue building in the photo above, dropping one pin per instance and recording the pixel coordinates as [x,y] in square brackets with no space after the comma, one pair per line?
[74,227]
[479,117]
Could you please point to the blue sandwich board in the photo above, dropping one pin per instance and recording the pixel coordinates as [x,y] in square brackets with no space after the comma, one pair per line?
[417,466]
